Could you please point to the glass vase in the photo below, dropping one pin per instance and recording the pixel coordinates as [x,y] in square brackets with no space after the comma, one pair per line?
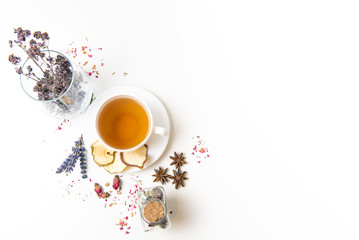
[72,99]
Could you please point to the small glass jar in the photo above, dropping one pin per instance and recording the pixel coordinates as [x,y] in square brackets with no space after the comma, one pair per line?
[155,196]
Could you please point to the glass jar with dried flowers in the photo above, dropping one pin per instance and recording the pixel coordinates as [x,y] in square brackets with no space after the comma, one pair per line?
[48,76]
[153,208]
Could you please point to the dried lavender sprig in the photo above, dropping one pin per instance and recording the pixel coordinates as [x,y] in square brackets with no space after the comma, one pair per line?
[73,158]
[83,162]
[65,165]
[68,164]
[83,167]
[77,151]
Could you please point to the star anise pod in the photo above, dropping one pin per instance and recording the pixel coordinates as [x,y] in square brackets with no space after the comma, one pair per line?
[178,160]
[161,175]
[178,178]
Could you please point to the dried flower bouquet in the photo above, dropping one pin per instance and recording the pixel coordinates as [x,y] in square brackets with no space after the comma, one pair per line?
[48,76]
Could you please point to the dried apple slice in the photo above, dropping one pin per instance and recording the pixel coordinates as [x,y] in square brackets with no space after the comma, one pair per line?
[101,154]
[117,166]
[136,158]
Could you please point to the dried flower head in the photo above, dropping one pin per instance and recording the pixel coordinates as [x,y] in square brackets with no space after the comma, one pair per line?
[45,36]
[14,59]
[37,34]
[21,34]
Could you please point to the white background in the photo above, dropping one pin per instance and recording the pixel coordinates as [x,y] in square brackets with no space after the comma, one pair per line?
[271,86]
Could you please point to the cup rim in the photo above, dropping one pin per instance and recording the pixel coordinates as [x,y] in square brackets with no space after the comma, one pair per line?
[143,104]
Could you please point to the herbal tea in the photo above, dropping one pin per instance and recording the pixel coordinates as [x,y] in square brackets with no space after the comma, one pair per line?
[122,123]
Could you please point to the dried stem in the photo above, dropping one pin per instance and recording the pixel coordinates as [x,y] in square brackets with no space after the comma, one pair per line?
[48,50]
[32,58]
[31,78]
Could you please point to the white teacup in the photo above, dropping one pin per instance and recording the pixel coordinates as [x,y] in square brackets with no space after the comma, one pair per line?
[125,123]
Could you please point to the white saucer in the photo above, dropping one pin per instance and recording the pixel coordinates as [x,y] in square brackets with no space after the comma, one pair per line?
[156,144]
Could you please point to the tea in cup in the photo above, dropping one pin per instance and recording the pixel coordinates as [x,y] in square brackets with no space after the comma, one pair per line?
[125,123]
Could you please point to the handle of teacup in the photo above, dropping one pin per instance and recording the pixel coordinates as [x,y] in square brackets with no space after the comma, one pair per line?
[159,130]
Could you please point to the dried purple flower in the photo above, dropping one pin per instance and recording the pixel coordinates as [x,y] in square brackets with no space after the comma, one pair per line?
[32,42]
[83,160]
[45,36]
[29,69]
[17,30]
[78,152]
[14,59]
[34,50]
[27,33]
[10,44]
[47,74]
[37,34]
[21,34]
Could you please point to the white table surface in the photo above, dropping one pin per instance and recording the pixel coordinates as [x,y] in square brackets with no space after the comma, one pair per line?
[270,86]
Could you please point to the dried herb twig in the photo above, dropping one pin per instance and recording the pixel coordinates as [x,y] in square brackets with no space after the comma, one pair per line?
[78,152]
